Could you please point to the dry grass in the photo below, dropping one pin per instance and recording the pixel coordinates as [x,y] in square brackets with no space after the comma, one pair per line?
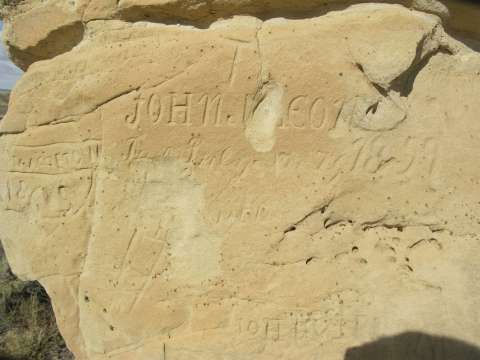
[27,324]
[4,95]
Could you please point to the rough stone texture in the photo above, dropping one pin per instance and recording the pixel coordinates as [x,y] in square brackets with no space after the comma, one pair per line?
[280,189]
[41,29]
[28,329]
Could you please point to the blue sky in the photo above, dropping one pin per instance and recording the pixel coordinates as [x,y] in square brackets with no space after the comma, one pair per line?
[9,73]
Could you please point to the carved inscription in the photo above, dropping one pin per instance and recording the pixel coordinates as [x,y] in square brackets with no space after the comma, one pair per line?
[53,180]
[199,110]
[295,326]
[313,113]
[302,327]
[55,158]
[369,155]
[50,196]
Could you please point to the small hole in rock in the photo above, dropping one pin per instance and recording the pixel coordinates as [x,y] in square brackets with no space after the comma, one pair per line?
[372,108]
[291,228]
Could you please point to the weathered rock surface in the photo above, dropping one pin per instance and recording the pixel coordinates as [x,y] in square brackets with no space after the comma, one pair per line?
[28,328]
[279,189]
[41,29]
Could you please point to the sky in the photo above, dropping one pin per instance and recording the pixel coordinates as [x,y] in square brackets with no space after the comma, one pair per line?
[9,73]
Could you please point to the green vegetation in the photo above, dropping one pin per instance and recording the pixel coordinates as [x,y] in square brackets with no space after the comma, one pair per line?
[27,324]
[8,5]
[10,2]
[4,95]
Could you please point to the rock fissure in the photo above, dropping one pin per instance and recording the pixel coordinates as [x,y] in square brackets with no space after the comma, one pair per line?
[246,189]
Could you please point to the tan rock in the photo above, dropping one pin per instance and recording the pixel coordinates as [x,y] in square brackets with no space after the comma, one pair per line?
[42,29]
[280,189]
[431,6]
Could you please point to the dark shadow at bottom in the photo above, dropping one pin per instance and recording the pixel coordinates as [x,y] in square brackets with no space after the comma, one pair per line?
[414,346]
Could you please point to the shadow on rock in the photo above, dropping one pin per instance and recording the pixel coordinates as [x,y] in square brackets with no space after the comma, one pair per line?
[414,346]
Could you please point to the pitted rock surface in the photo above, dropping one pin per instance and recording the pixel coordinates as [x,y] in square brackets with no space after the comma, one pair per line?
[254,189]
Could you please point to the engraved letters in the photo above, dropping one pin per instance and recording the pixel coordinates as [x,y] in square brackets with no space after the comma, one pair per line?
[200,110]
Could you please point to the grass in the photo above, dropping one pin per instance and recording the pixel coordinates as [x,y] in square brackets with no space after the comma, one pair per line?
[4,95]
[27,324]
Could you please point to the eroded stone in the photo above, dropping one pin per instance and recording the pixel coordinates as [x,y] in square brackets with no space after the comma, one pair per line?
[267,190]
[42,29]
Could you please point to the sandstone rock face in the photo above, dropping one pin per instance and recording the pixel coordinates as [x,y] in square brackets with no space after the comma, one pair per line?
[41,29]
[278,189]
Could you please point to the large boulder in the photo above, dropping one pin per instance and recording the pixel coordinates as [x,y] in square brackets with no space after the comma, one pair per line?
[257,189]
[41,29]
